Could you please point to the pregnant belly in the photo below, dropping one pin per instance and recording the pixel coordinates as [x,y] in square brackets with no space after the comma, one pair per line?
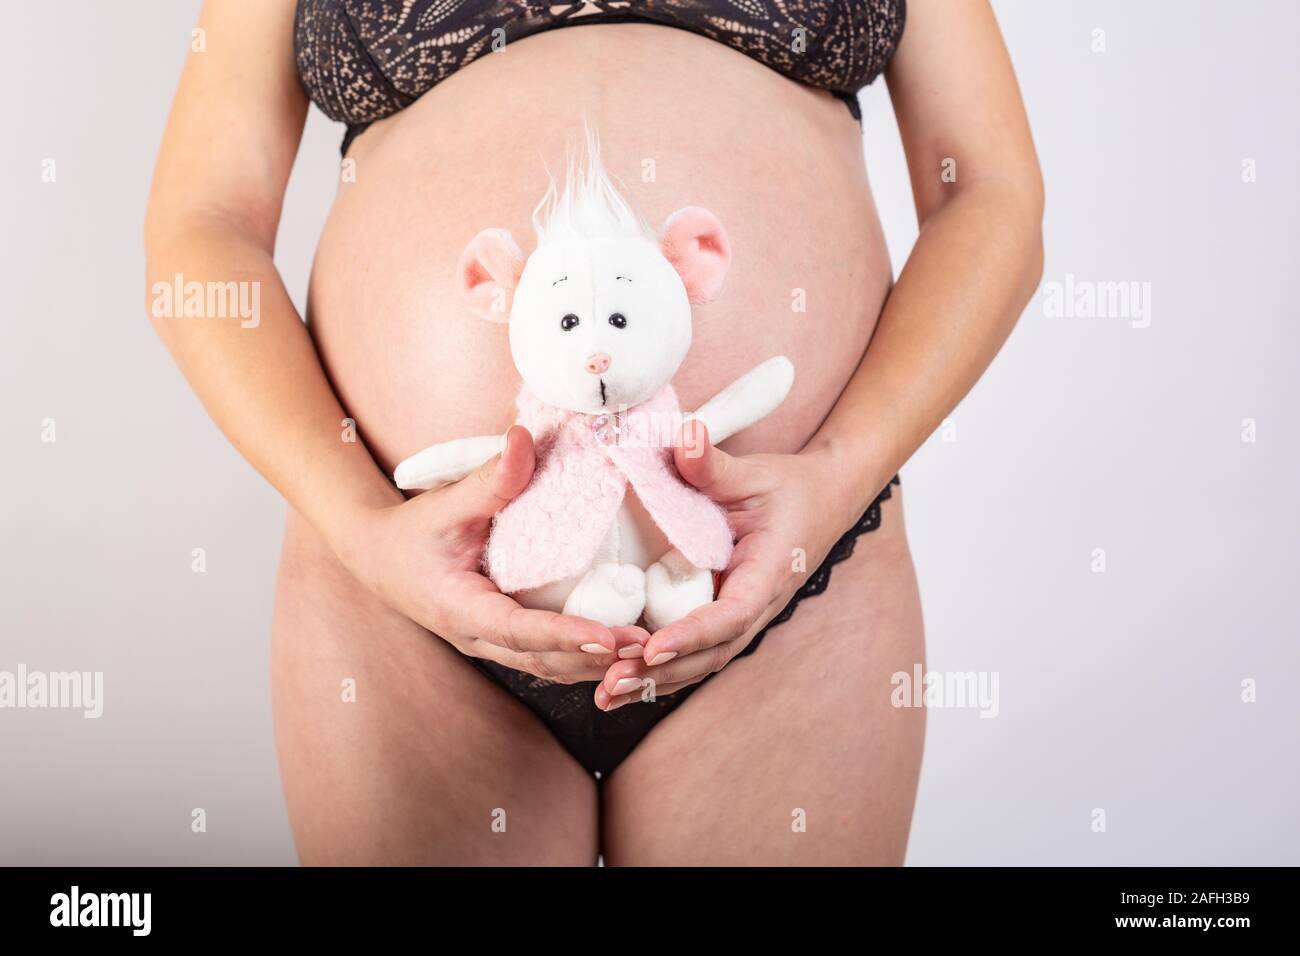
[683,121]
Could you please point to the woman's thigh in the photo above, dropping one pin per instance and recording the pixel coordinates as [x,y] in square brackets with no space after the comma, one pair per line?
[793,754]
[394,750]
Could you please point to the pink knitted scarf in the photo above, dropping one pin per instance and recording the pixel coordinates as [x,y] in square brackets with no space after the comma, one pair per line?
[584,464]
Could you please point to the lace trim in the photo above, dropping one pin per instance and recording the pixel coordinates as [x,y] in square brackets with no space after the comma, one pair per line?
[842,550]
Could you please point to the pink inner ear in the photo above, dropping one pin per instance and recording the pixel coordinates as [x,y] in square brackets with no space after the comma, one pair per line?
[697,246]
[488,271]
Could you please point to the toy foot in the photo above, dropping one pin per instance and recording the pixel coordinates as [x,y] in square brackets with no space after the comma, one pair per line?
[609,594]
[673,590]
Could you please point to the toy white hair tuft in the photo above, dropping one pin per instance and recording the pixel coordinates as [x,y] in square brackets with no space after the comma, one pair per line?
[589,206]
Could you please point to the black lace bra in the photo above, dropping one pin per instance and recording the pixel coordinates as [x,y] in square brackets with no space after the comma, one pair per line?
[362,60]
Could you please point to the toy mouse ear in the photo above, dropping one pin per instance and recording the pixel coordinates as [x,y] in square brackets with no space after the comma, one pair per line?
[488,272]
[697,246]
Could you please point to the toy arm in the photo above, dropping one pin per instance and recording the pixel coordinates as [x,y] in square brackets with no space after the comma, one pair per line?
[447,461]
[753,396]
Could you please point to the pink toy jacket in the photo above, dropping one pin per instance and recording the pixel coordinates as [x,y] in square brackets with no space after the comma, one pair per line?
[584,463]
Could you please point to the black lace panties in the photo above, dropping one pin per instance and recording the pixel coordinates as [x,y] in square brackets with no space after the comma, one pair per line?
[600,740]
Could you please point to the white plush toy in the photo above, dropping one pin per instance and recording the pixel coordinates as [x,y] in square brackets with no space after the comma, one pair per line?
[600,321]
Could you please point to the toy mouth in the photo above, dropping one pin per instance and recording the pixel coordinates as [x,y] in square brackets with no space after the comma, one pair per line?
[602,392]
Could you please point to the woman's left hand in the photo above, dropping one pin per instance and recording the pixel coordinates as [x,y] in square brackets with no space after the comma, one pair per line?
[783,511]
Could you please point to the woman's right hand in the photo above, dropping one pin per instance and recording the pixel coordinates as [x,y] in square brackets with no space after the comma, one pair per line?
[422,558]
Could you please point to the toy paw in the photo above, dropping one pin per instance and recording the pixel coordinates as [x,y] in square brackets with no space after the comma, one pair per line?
[609,594]
[669,596]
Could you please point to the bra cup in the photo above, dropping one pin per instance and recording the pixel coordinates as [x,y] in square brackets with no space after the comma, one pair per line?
[336,69]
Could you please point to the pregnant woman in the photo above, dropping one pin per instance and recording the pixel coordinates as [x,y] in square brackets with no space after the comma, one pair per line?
[482,732]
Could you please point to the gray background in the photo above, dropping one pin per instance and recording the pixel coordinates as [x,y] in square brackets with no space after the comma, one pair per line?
[1119,690]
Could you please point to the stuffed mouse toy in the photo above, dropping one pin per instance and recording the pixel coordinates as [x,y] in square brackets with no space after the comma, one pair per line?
[599,322]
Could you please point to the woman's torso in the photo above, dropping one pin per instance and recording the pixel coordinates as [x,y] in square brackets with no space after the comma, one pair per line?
[683,120]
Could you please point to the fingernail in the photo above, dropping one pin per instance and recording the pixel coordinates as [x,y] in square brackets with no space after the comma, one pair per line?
[631,651]
[595,648]
[616,706]
[663,658]
[626,686]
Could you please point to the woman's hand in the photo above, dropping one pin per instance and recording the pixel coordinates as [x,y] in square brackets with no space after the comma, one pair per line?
[779,507]
[422,558]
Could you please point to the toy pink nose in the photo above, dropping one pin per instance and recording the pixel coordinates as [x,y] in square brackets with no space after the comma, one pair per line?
[598,363]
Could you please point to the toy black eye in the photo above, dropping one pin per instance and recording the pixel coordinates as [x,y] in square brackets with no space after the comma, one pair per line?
[618,320]
[569,322]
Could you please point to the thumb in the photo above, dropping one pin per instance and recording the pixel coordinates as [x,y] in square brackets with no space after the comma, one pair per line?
[711,470]
[488,489]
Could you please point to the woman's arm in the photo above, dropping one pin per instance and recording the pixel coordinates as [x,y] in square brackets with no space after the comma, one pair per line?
[213,213]
[974,266]
[976,262]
